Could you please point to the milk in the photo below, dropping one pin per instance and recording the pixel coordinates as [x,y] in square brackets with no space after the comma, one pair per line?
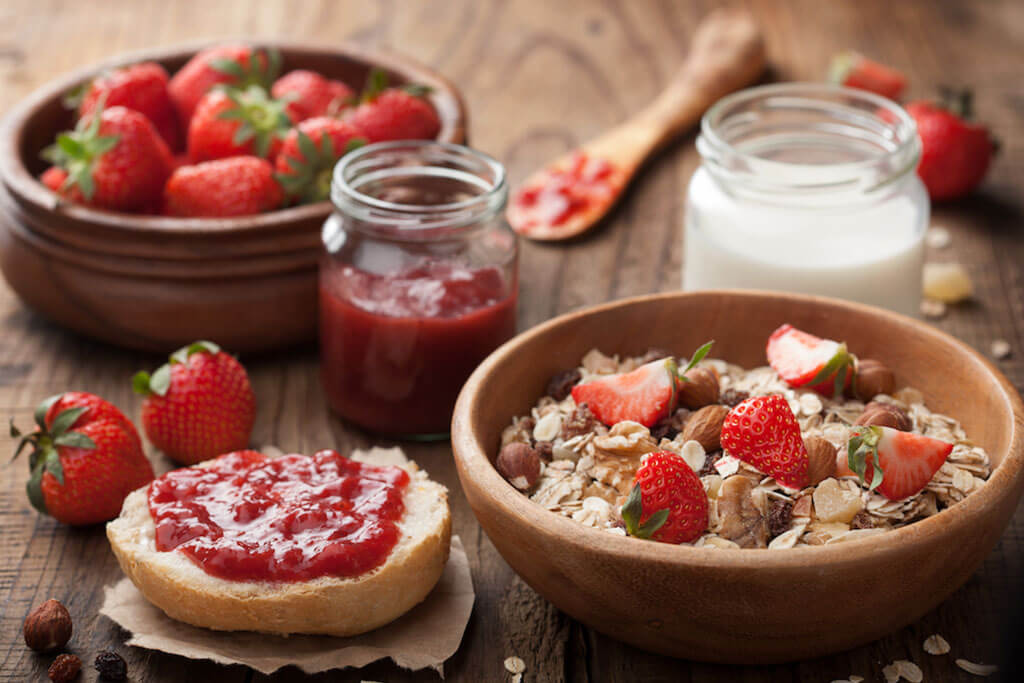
[872,252]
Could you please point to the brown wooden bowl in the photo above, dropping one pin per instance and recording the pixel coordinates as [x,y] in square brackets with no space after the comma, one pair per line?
[154,282]
[741,606]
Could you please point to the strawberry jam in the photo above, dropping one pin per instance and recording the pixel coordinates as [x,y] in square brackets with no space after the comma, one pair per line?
[247,517]
[564,192]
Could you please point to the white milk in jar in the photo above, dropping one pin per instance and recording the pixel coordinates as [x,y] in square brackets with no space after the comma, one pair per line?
[808,188]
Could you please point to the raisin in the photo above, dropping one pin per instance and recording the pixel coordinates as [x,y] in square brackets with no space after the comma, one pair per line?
[562,383]
[64,668]
[582,421]
[780,513]
[709,464]
[664,430]
[111,666]
[544,449]
[732,397]
[862,520]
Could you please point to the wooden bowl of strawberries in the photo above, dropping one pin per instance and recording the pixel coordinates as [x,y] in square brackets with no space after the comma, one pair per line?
[177,194]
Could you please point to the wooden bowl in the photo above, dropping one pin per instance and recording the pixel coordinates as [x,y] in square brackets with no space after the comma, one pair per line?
[741,606]
[154,282]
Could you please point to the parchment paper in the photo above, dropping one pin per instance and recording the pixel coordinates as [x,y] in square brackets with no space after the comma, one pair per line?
[424,637]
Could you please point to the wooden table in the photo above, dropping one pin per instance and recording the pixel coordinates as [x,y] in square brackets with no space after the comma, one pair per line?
[539,76]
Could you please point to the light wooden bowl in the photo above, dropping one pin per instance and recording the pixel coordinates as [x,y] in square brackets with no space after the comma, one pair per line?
[155,282]
[741,606]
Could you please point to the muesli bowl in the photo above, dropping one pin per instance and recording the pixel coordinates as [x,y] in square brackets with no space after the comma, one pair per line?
[741,606]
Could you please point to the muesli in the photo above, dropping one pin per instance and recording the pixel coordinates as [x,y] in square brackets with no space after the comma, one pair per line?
[818,447]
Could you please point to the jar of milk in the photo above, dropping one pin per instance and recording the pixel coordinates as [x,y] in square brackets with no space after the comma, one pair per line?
[808,188]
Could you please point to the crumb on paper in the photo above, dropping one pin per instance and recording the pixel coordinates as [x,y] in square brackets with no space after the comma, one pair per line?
[1001,349]
[936,645]
[977,669]
[938,237]
[947,282]
[932,308]
[515,665]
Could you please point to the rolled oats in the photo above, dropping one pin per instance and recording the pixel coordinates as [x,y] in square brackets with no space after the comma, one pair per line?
[977,669]
[693,453]
[936,645]
[515,665]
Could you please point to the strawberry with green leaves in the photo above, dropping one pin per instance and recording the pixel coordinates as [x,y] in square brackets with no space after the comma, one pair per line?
[646,395]
[857,71]
[802,359]
[235,65]
[114,159]
[402,113]
[236,186]
[310,95]
[86,457]
[763,432]
[668,502]
[199,405]
[897,464]
[229,122]
[306,161]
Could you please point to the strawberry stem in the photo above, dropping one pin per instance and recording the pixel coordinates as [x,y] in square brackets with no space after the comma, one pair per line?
[863,443]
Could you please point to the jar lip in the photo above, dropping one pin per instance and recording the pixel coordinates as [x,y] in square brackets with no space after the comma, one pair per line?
[491,180]
[874,117]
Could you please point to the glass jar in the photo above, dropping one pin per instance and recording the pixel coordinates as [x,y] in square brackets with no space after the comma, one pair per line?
[418,282]
[808,188]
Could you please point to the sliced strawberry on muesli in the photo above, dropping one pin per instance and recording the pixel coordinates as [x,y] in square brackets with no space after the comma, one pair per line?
[802,359]
[763,432]
[646,395]
[896,464]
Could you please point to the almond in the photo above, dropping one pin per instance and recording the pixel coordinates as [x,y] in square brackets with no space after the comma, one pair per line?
[705,427]
[821,459]
[885,415]
[872,378]
[699,388]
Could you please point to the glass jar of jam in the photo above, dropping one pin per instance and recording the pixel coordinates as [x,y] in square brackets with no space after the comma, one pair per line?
[418,282]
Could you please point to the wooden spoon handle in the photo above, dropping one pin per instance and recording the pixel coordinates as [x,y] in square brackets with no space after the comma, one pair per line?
[727,53]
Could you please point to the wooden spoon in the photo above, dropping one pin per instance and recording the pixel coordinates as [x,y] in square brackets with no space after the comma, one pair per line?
[572,193]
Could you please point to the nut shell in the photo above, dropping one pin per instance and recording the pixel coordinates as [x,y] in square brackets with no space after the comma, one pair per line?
[705,427]
[821,459]
[48,627]
[519,464]
[699,388]
[872,378]
[879,414]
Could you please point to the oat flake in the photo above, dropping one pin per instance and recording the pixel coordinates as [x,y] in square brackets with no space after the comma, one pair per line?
[910,671]
[977,669]
[517,678]
[938,238]
[547,427]
[891,673]
[693,453]
[1000,349]
[515,665]
[932,308]
[936,645]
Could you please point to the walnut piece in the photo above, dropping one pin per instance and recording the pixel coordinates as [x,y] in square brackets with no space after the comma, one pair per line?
[739,519]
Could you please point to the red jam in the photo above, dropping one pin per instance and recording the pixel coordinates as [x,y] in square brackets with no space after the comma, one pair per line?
[248,517]
[396,349]
[564,192]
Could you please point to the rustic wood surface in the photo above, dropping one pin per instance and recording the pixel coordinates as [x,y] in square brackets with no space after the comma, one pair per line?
[538,77]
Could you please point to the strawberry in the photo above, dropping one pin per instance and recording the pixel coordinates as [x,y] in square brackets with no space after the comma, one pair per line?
[955,153]
[139,87]
[668,502]
[763,432]
[199,405]
[394,113]
[236,186]
[236,65]
[54,178]
[308,155]
[897,464]
[857,71]
[801,359]
[230,123]
[86,457]
[309,95]
[114,160]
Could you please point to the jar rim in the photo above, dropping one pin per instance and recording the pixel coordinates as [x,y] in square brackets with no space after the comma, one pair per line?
[843,113]
[439,159]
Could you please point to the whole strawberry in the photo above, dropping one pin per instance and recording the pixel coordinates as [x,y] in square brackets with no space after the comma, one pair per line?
[394,113]
[86,457]
[309,95]
[955,153]
[308,155]
[139,87]
[236,186]
[115,161]
[668,502]
[198,406]
[236,65]
[763,432]
[232,122]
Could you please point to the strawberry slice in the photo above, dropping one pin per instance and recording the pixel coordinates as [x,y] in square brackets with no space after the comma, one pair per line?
[898,464]
[645,395]
[857,71]
[763,432]
[801,359]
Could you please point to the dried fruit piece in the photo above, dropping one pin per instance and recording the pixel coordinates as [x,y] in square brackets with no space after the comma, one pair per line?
[48,627]
[64,668]
[835,503]
[561,383]
[111,666]
[947,282]
[780,514]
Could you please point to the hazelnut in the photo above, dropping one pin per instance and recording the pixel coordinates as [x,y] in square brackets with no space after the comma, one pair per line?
[821,459]
[699,388]
[48,627]
[64,668]
[871,378]
[519,464]
[885,415]
[705,427]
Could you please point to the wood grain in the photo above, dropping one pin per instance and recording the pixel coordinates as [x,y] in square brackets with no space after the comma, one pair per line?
[539,77]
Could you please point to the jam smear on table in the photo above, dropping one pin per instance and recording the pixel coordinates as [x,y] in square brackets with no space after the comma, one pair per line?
[248,517]
[563,192]
[396,348]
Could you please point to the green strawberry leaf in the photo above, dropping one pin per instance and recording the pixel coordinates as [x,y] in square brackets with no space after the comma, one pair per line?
[376,83]
[54,466]
[43,408]
[417,89]
[15,432]
[698,356]
[75,440]
[354,143]
[862,444]
[72,99]
[140,383]
[202,346]
[34,488]
[228,66]
[160,382]
[633,510]
[62,423]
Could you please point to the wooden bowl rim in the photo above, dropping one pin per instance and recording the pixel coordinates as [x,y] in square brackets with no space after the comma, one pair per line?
[473,464]
[14,173]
